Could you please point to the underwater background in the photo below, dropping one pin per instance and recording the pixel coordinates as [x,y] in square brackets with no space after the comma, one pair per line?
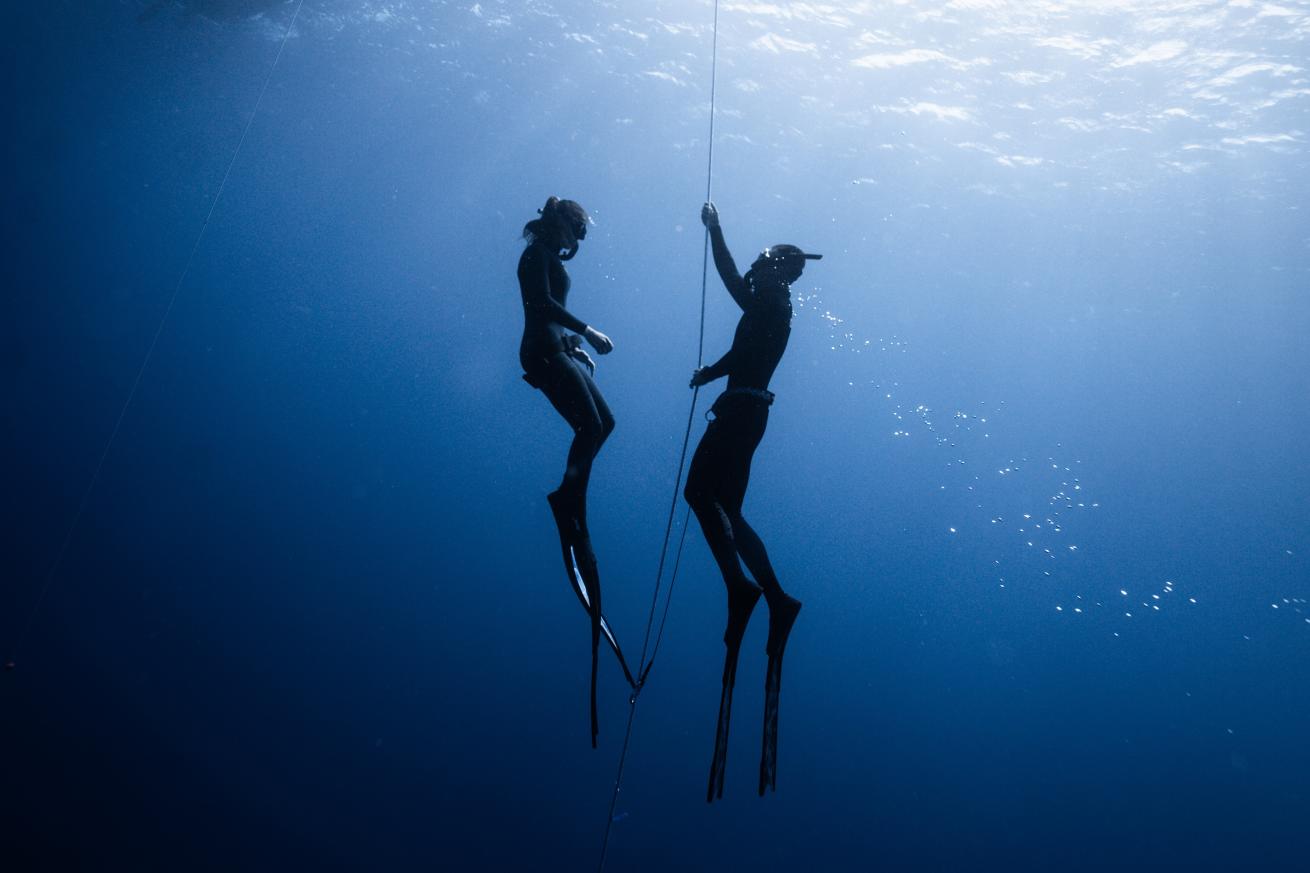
[1037,466]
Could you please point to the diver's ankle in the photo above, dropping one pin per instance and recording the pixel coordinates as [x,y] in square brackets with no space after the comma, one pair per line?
[779,599]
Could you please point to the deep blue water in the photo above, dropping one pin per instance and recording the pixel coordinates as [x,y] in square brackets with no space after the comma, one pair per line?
[312,615]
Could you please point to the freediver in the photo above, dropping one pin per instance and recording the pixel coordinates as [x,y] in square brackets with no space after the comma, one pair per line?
[555,363]
[720,472]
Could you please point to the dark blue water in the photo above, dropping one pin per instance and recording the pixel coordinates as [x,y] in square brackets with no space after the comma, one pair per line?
[1036,467]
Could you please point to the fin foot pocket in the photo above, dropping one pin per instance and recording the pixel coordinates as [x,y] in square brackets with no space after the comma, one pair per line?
[782,615]
[569,515]
[741,603]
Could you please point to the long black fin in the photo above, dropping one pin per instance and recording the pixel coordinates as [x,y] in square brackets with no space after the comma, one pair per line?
[741,603]
[585,571]
[584,579]
[769,752]
[571,532]
[595,655]
[780,624]
[581,588]
[720,761]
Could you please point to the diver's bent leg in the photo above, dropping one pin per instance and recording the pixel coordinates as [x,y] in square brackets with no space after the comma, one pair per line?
[783,608]
[587,439]
[753,554]
[717,527]
[594,429]
[742,592]
[573,395]
[603,413]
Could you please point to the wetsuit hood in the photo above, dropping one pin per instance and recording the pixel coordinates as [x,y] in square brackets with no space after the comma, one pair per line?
[786,250]
[787,259]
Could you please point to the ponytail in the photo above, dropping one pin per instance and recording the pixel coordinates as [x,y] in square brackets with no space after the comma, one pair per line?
[538,227]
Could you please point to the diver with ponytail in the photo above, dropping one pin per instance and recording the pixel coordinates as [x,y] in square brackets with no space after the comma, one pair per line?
[555,363]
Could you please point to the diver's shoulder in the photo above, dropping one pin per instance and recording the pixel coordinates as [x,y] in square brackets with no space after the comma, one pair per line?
[537,252]
[534,254]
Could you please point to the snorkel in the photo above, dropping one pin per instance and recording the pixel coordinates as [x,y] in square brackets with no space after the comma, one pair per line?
[570,221]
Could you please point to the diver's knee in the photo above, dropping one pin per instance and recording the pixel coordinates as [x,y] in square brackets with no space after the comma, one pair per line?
[592,432]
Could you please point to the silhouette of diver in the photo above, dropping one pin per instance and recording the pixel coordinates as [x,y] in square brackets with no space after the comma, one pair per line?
[720,472]
[555,363]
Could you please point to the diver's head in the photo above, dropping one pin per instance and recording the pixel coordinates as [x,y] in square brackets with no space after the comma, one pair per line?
[779,265]
[562,225]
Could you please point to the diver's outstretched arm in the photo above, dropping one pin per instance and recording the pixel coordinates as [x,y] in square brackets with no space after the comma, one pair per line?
[732,279]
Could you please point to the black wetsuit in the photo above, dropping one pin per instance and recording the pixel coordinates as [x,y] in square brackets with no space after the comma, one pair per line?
[546,353]
[720,469]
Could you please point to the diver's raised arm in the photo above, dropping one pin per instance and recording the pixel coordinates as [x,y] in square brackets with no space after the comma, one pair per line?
[732,280]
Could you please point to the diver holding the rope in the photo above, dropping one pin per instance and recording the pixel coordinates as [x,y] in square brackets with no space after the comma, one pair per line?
[720,472]
[555,363]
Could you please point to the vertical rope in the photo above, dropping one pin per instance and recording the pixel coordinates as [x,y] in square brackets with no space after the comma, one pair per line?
[709,182]
[644,665]
[11,661]
[700,362]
